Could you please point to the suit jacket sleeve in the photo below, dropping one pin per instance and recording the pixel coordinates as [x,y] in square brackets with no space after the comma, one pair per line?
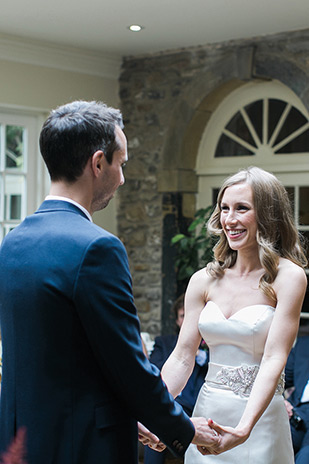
[104,300]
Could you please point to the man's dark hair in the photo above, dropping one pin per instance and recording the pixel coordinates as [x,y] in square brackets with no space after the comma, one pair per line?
[73,133]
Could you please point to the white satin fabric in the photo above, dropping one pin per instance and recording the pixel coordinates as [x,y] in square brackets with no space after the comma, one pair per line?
[236,348]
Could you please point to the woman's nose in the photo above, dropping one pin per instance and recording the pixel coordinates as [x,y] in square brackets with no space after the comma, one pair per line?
[231,217]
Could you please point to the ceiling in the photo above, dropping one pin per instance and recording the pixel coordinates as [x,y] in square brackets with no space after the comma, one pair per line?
[101,25]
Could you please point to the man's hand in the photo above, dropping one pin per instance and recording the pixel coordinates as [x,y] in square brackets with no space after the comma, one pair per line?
[289,408]
[229,438]
[149,439]
[206,438]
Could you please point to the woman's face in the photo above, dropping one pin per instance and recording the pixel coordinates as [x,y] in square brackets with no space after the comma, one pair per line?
[238,218]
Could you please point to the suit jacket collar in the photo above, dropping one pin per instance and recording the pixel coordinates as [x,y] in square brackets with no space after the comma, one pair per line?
[59,205]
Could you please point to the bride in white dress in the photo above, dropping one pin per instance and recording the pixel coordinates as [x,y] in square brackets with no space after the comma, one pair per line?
[246,305]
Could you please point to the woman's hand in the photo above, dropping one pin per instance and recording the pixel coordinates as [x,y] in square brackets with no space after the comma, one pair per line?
[230,437]
[205,437]
[150,439]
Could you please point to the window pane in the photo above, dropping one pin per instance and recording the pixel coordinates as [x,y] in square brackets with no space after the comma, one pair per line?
[293,121]
[238,126]
[298,145]
[306,244]
[13,193]
[228,147]
[14,149]
[291,193]
[15,206]
[215,192]
[255,113]
[276,108]
[304,206]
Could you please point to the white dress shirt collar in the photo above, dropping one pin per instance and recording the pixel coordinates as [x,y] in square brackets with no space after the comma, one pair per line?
[305,394]
[59,198]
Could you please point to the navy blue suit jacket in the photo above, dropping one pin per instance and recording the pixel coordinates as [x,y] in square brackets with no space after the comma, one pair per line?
[74,372]
[297,369]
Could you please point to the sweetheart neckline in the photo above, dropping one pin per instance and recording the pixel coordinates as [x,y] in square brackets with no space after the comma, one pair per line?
[239,310]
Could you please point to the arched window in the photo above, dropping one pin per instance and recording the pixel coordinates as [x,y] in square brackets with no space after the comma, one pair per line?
[262,123]
[269,124]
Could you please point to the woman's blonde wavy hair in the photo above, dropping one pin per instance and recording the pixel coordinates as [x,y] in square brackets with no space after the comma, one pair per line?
[277,235]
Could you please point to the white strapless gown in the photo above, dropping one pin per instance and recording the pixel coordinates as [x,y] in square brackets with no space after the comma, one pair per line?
[236,347]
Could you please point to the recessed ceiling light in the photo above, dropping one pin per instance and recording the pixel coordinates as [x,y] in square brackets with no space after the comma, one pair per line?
[135,27]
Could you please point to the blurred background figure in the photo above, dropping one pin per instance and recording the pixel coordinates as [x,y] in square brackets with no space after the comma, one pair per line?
[297,404]
[163,347]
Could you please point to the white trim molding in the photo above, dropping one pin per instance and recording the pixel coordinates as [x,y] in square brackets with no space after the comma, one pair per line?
[28,51]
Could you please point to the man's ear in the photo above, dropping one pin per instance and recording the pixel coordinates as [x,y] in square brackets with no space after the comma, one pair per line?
[97,162]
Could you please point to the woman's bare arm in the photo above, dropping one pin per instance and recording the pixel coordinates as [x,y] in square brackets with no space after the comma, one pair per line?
[178,367]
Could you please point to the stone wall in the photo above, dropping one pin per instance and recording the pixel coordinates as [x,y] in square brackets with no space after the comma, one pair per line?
[166,100]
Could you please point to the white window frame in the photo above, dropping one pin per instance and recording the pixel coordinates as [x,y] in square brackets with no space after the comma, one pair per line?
[34,171]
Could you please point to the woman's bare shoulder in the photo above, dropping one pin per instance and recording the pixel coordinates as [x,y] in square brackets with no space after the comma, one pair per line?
[201,281]
[286,265]
[287,271]
[202,276]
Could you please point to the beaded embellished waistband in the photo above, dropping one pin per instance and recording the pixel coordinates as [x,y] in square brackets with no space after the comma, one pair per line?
[239,379]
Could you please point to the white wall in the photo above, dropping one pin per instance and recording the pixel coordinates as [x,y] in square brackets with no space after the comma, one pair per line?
[40,88]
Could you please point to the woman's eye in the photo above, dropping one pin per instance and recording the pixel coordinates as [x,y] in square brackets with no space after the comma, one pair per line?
[243,207]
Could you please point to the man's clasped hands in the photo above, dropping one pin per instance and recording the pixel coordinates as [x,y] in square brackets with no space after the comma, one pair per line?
[210,438]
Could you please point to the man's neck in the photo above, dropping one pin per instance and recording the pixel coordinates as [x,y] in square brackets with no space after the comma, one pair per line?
[74,191]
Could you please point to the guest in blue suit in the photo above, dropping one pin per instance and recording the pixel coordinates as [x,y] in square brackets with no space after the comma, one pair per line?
[297,376]
[163,347]
[74,372]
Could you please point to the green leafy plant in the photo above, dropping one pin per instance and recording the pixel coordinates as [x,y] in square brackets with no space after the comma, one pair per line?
[194,250]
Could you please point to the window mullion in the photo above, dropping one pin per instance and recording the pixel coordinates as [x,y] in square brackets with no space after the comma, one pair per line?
[265,120]
[250,127]
[296,206]
[2,147]
[280,123]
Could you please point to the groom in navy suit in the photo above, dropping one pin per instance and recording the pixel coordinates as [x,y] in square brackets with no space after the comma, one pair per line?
[74,373]
[297,376]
